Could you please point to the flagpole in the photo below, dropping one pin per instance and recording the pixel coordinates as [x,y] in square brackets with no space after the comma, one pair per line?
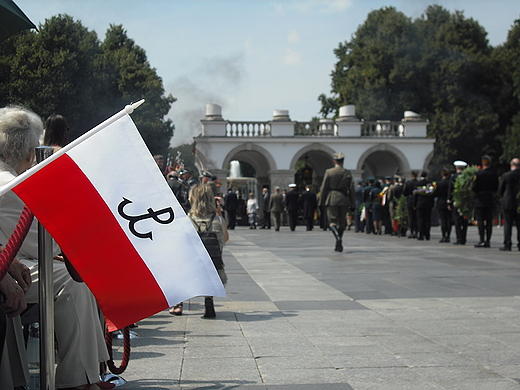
[18,179]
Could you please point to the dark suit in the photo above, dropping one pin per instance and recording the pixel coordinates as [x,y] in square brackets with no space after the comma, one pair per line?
[508,190]
[412,215]
[442,192]
[423,206]
[267,215]
[231,207]
[276,206]
[368,206]
[485,186]
[291,201]
[460,223]
[309,204]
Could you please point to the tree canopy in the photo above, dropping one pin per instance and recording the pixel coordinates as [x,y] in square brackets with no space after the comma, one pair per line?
[441,66]
[66,69]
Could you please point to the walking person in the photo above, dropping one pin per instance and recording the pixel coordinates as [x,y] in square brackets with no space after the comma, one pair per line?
[252,210]
[231,207]
[310,203]
[485,186]
[266,224]
[338,194]
[292,202]
[508,190]
[276,206]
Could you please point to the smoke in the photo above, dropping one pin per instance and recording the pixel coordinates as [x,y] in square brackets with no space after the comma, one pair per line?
[215,80]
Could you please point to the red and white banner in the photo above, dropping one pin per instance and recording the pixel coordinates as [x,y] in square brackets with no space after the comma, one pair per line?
[109,208]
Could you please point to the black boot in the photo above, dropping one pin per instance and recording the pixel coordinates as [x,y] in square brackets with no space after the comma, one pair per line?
[209,311]
[339,246]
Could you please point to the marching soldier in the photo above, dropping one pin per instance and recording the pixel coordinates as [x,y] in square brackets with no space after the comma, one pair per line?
[338,195]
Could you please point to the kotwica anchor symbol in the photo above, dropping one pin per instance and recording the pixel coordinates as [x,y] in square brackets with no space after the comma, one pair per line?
[133,219]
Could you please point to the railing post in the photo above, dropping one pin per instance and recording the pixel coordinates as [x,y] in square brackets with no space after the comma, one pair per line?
[46,296]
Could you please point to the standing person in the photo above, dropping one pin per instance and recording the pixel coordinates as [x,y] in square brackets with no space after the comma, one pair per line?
[409,188]
[485,186]
[205,214]
[179,190]
[231,207]
[358,223]
[369,222]
[394,194]
[376,208]
[266,224]
[284,212]
[423,204]
[459,221]
[508,190]
[338,194]
[442,192]
[252,210]
[211,180]
[310,203]
[276,206]
[387,222]
[292,203]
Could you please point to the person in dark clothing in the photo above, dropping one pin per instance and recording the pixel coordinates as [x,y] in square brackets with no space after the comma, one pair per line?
[459,221]
[266,196]
[441,193]
[423,204]
[368,205]
[309,204]
[358,223]
[412,215]
[292,202]
[231,207]
[485,186]
[376,208]
[508,190]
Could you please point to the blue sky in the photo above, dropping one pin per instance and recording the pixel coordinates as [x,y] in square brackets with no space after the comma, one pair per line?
[249,56]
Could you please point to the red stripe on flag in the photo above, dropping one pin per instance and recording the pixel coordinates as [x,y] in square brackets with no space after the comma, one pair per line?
[67,204]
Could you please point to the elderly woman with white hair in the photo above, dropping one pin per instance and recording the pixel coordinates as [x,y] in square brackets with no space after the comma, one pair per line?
[79,334]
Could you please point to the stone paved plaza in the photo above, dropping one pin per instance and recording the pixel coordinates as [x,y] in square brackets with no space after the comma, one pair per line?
[388,313]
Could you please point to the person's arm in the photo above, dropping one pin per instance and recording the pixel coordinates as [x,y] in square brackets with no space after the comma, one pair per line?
[21,274]
[13,302]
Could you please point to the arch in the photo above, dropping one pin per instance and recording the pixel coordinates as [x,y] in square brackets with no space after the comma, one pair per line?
[249,146]
[312,148]
[402,161]
[428,160]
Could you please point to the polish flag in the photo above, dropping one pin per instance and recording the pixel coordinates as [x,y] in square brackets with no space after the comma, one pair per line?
[105,202]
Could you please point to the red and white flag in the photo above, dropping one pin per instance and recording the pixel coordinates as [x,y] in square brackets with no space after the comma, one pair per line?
[107,205]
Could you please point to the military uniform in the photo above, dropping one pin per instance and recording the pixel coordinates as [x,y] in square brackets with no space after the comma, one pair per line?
[338,195]
[276,206]
[441,192]
[508,190]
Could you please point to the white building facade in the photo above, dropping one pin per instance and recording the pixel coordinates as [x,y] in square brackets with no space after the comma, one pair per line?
[276,148]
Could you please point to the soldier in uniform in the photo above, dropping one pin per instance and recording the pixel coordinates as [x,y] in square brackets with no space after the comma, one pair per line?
[338,195]
[485,186]
[409,188]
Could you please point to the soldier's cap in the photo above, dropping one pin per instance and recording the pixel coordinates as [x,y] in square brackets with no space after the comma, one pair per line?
[445,170]
[486,157]
[388,177]
[207,174]
[360,181]
[185,170]
[338,156]
[371,178]
[292,185]
[277,188]
[460,163]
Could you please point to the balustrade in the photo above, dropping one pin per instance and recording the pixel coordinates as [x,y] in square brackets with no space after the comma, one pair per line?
[248,129]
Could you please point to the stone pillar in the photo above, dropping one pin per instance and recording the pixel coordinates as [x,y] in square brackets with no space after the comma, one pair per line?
[347,123]
[414,125]
[282,178]
[281,125]
[213,124]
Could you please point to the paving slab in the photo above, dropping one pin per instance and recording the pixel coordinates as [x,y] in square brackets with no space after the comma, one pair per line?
[387,313]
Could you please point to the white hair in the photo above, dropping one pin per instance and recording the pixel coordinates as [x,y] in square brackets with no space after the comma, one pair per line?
[20,132]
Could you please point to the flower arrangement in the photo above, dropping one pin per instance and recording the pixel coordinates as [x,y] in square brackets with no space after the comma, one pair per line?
[463,195]
[401,212]
[427,190]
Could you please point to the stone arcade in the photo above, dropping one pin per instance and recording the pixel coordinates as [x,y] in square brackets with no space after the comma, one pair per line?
[273,148]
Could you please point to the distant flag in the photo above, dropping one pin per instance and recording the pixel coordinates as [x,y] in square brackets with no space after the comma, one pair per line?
[120,226]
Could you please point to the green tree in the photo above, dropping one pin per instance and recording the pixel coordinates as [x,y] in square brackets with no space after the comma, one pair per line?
[135,79]
[65,69]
